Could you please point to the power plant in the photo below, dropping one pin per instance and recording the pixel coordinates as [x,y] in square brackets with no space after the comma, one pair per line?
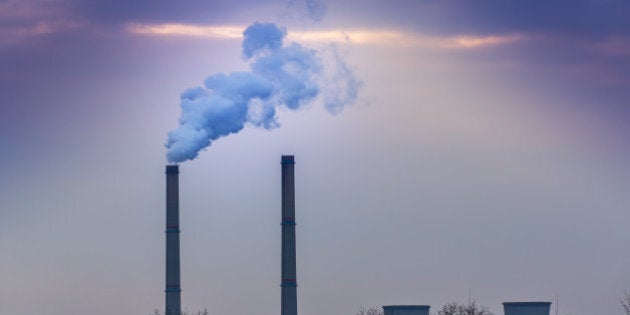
[288,303]
[173,304]
[510,308]
[288,284]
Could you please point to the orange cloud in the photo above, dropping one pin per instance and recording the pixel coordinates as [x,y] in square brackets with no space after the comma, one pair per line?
[355,36]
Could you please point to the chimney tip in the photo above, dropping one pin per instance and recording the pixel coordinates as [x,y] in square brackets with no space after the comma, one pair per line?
[172,169]
[287,159]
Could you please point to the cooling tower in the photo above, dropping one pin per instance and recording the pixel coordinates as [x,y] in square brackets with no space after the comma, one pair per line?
[406,309]
[288,303]
[173,289]
[526,308]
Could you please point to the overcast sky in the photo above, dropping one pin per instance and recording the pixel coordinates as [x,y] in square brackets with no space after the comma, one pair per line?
[487,151]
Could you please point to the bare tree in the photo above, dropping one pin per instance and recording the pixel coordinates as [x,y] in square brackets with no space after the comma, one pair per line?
[185,312]
[370,311]
[449,309]
[625,303]
[460,309]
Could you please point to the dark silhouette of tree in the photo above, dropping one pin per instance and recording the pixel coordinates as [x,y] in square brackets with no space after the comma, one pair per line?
[370,311]
[625,303]
[186,312]
[460,309]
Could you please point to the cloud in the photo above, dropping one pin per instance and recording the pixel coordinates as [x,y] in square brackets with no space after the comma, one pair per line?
[355,36]
[176,29]
[613,46]
[21,20]
[311,9]
[40,28]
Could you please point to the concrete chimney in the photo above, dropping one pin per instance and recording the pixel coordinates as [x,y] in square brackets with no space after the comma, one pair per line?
[526,308]
[288,303]
[406,309]
[173,290]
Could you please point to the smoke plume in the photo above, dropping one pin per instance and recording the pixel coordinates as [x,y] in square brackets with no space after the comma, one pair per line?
[287,75]
[311,9]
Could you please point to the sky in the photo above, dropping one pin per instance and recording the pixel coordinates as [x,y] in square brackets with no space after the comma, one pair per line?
[485,153]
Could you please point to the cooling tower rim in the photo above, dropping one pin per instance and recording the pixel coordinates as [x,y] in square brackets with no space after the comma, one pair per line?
[526,303]
[415,307]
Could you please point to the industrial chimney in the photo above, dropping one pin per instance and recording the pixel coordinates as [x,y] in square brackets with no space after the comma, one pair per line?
[173,289]
[289,283]
[406,309]
[526,308]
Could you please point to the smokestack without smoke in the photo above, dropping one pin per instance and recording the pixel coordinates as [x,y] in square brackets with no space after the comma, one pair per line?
[289,279]
[173,289]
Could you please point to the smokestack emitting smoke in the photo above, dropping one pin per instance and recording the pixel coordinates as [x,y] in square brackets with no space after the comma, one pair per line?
[287,75]
[173,289]
[288,303]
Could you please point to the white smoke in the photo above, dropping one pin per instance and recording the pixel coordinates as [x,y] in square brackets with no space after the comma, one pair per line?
[311,9]
[288,75]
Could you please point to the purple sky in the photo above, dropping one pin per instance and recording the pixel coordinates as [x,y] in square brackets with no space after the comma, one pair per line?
[487,151]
